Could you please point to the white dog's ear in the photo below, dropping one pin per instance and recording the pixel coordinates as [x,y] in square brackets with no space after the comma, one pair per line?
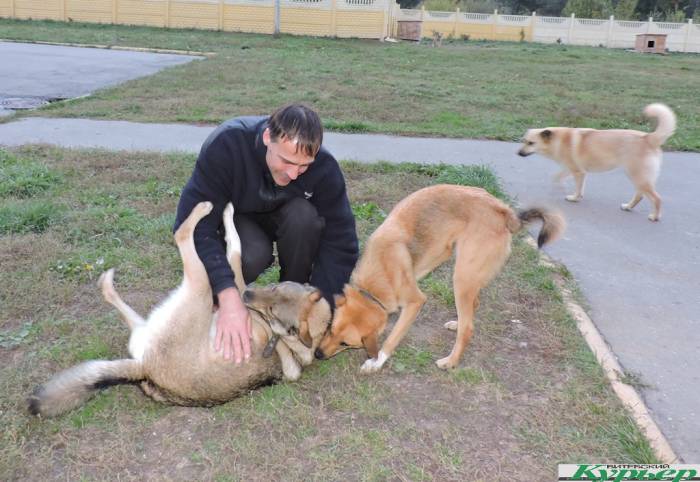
[546,134]
[304,333]
[315,296]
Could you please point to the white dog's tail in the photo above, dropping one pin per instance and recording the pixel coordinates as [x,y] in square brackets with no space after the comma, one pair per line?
[73,387]
[665,123]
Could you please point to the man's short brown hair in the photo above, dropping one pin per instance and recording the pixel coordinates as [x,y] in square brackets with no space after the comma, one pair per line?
[299,123]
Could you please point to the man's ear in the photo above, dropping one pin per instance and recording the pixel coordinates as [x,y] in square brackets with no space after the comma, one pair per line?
[266,137]
[371,345]
[546,134]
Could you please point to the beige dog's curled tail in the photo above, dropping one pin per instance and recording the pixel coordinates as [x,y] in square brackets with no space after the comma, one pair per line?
[73,387]
[553,223]
[665,123]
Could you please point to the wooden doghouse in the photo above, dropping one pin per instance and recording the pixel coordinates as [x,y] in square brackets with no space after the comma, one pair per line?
[654,43]
[410,29]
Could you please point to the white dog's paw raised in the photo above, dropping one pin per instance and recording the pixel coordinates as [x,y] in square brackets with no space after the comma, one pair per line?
[204,208]
[625,207]
[451,325]
[228,211]
[291,371]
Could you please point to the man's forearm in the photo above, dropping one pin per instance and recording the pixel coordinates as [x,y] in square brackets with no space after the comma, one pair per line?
[230,300]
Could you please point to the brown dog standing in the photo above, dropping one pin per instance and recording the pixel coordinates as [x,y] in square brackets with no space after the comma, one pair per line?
[580,151]
[420,234]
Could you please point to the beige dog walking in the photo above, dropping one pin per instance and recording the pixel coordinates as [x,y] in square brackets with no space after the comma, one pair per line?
[580,151]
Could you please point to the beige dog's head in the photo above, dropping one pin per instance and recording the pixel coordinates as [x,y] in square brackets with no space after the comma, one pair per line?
[358,321]
[291,309]
[536,140]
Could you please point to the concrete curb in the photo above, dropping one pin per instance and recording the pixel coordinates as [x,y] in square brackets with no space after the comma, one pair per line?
[627,394]
[113,47]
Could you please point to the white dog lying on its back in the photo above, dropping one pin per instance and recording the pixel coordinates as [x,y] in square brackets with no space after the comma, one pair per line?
[173,355]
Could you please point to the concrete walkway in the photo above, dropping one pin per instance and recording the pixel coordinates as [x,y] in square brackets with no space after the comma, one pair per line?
[642,279]
[40,73]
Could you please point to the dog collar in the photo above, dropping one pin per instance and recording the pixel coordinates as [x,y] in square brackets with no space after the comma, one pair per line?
[370,296]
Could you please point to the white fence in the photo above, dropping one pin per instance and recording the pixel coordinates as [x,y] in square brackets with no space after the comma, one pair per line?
[680,37]
[612,33]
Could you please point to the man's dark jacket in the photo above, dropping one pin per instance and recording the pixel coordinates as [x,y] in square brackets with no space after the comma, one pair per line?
[231,167]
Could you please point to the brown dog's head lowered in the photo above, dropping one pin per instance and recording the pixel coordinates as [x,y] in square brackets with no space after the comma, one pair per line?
[535,140]
[358,321]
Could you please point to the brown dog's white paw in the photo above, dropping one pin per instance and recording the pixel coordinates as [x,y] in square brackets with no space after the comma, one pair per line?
[446,363]
[573,198]
[451,325]
[625,207]
[373,365]
[654,217]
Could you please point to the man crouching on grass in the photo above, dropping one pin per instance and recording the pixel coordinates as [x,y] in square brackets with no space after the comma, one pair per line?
[285,188]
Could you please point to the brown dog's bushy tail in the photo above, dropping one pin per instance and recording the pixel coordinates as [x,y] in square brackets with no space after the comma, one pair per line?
[73,387]
[665,123]
[553,223]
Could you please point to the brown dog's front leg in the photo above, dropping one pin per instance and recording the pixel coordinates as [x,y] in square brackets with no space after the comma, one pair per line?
[406,319]
[371,345]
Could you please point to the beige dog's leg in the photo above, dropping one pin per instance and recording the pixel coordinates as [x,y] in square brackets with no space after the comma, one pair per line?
[194,273]
[655,199]
[580,178]
[406,319]
[633,202]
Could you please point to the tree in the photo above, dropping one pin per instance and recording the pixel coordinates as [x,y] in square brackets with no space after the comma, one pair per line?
[625,10]
[408,3]
[526,7]
[588,8]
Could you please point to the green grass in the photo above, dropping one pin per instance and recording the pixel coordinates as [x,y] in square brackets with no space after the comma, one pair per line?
[18,217]
[408,359]
[23,179]
[475,89]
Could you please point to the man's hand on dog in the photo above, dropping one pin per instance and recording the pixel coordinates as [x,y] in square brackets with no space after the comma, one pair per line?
[233,326]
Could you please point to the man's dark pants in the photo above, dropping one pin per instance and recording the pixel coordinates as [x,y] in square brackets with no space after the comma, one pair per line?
[295,227]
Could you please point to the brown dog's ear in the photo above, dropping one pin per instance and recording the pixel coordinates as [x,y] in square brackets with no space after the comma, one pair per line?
[339,300]
[371,345]
[304,335]
[546,134]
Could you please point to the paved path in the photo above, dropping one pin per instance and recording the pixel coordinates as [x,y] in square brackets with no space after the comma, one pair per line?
[46,72]
[642,279]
